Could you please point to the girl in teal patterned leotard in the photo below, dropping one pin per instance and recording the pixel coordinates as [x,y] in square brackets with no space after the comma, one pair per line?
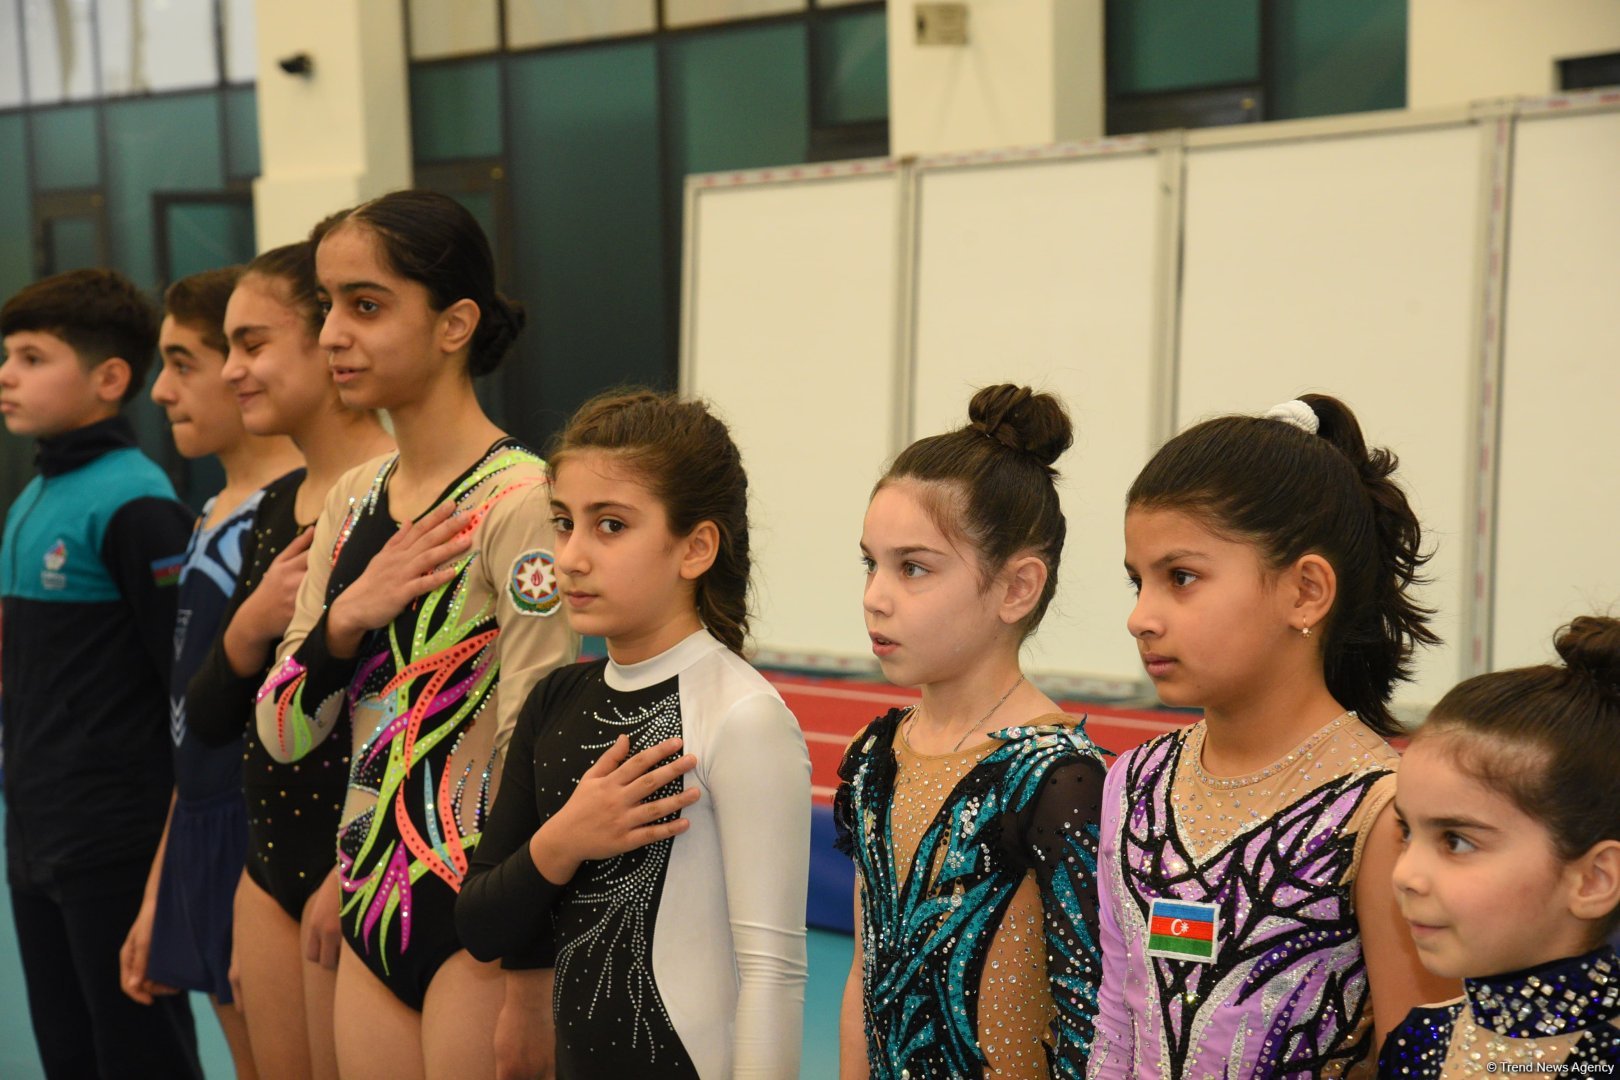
[972,817]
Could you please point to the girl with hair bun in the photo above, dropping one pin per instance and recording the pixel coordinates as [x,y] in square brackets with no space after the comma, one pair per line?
[1509,873]
[1248,924]
[971,817]
[651,842]
[426,615]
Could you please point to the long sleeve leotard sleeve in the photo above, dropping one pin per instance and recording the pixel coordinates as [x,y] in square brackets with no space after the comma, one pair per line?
[503,910]
[759,777]
[1060,832]
[300,701]
[1113,1048]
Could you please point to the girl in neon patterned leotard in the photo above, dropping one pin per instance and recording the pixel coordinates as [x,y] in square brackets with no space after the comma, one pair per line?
[426,615]
[1249,929]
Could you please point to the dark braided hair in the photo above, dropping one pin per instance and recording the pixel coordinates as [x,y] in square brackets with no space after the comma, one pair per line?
[1292,493]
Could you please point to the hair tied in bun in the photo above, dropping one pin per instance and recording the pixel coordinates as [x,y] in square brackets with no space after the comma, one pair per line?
[1023,420]
[1004,504]
[1590,646]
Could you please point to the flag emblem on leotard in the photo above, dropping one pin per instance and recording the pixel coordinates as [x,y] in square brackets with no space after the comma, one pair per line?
[534,584]
[1184,930]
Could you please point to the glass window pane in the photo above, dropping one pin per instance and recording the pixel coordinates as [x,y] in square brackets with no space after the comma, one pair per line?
[160,144]
[548,22]
[241,132]
[456,110]
[589,220]
[1334,57]
[453,28]
[241,41]
[695,12]
[205,235]
[67,152]
[11,84]
[739,99]
[16,209]
[70,244]
[61,55]
[1175,44]
[852,68]
[116,23]
[156,45]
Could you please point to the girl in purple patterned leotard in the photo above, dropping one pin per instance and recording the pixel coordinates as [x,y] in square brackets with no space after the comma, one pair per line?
[1248,925]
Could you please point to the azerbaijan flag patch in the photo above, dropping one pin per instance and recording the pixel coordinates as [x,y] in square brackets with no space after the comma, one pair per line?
[1184,930]
[166,572]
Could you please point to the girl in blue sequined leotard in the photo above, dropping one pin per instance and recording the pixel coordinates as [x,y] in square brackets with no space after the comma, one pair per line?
[972,817]
[1509,873]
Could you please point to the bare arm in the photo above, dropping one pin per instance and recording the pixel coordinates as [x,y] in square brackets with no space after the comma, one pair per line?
[132,957]
[525,1034]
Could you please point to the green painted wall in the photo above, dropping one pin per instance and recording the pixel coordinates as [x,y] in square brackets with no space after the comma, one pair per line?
[67,153]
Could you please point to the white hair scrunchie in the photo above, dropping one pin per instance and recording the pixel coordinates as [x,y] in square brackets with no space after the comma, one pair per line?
[1295,412]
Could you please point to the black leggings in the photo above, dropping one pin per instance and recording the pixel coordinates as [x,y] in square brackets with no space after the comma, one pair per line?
[83,1023]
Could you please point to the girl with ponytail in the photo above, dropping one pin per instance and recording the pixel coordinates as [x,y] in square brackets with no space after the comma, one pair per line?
[651,842]
[1509,873]
[422,621]
[1248,924]
[971,817]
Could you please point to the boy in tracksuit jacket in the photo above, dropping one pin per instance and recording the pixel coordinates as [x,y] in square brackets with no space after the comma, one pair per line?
[91,552]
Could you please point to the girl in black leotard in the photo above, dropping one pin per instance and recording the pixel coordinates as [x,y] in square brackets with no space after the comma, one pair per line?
[278,371]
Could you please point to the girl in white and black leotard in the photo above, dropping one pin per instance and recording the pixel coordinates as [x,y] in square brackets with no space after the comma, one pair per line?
[677,941]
